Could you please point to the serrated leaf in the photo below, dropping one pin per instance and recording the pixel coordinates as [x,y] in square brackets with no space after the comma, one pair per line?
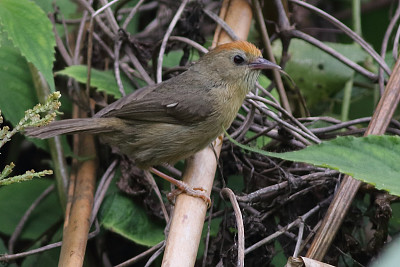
[121,215]
[31,32]
[104,81]
[372,159]
[20,196]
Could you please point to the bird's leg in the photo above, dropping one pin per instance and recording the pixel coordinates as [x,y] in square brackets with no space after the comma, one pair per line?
[183,187]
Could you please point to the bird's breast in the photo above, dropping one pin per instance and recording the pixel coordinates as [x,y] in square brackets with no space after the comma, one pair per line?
[229,101]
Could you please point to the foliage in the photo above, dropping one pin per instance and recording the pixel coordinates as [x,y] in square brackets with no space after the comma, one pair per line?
[30,31]
[104,81]
[372,159]
[32,118]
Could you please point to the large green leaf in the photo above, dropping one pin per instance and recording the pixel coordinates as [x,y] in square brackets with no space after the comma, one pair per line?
[372,159]
[104,81]
[31,32]
[15,199]
[318,74]
[16,88]
[121,215]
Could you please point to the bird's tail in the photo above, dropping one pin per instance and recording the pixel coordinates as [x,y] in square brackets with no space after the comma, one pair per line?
[71,126]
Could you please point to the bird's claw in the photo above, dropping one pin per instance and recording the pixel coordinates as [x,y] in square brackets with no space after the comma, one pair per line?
[191,191]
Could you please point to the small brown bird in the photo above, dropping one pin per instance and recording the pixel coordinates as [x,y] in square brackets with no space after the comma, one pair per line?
[172,120]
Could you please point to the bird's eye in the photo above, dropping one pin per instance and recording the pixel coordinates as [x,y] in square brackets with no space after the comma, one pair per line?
[238,59]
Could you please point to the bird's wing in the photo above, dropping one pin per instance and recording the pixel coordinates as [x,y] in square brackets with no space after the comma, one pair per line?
[187,105]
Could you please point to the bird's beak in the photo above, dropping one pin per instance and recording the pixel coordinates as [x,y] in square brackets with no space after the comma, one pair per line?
[263,64]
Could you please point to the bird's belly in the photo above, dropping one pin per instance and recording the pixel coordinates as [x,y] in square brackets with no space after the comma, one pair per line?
[160,143]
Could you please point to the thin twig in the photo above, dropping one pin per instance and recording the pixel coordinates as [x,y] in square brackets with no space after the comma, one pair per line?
[141,255]
[131,14]
[102,25]
[60,45]
[153,183]
[385,41]
[138,66]
[155,255]
[117,48]
[308,133]
[222,23]
[103,45]
[192,43]
[266,93]
[299,240]
[287,227]
[267,44]
[340,125]
[102,189]
[109,14]
[207,241]
[165,39]
[28,212]
[227,192]
[240,132]
[297,133]
[395,50]
[257,195]
[10,257]
[79,37]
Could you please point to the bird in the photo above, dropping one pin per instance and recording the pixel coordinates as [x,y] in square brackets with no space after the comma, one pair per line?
[172,120]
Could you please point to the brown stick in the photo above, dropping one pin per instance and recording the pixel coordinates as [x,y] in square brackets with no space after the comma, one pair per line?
[77,221]
[349,187]
[267,44]
[189,213]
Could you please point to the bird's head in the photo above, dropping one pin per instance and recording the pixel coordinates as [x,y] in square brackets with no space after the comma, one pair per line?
[237,63]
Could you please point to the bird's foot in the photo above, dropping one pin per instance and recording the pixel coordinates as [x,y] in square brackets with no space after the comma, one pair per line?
[183,187]
[191,191]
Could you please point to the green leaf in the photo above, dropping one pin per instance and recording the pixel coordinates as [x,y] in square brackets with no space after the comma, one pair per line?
[46,258]
[20,196]
[31,32]
[372,159]
[104,81]
[172,58]
[16,88]
[121,215]
[66,8]
[318,74]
